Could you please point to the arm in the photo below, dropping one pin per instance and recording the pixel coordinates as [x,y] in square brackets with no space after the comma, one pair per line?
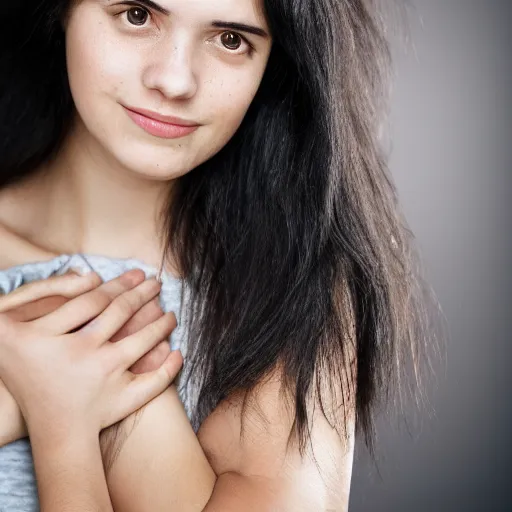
[176,474]
[217,471]
[70,474]
[76,382]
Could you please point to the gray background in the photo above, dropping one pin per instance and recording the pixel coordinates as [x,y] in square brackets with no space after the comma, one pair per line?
[452,163]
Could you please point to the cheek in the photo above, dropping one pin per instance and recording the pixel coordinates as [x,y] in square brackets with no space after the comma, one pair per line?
[102,72]
[228,101]
[97,66]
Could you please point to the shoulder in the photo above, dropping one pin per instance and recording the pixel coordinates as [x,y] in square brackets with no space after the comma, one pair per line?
[16,221]
[16,248]
[17,251]
[259,447]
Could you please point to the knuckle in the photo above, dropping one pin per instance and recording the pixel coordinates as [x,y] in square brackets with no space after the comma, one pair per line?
[127,356]
[164,326]
[124,305]
[98,298]
[154,329]
[150,314]
[108,364]
[157,330]
[112,289]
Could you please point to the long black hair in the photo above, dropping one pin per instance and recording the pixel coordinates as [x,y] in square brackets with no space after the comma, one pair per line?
[289,239]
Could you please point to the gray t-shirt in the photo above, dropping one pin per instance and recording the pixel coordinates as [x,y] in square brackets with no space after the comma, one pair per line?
[18,491]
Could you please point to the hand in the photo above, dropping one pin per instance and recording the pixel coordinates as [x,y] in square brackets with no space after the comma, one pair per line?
[81,379]
[26,303]
[38,298]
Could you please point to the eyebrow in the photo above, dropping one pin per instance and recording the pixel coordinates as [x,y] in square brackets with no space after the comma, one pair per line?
[241,27]
[228,25]
[151,5]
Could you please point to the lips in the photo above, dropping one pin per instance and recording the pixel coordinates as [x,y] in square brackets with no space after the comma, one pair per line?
[159,125]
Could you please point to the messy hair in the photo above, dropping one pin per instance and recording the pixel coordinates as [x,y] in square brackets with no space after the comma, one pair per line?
[290,239]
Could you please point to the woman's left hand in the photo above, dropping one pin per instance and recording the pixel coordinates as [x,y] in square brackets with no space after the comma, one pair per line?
[65,381]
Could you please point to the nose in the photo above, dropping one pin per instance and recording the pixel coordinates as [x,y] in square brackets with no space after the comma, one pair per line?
[171,73]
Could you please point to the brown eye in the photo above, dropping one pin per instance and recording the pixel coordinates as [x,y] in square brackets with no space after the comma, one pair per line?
[137,16]
[231,40]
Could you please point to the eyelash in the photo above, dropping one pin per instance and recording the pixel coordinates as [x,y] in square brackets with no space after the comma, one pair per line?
[249,52]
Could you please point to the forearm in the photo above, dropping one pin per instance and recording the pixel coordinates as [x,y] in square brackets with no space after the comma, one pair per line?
[161,466]
[70,474]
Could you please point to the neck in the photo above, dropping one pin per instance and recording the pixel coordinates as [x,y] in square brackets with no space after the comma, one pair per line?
[83,202]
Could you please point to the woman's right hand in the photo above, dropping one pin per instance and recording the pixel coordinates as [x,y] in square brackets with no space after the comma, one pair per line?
[39,298]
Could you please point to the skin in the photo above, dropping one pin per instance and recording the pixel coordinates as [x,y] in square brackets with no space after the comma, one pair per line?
[217,470]
[40,298]
[85,380]
[112,177]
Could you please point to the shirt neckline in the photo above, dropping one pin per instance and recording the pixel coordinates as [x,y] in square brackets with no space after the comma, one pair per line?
[90,260]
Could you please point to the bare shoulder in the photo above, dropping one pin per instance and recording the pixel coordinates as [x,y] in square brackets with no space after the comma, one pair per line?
[318,481]
[15,250]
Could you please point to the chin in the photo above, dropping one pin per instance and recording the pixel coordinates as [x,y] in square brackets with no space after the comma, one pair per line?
[157,171]
[152,163]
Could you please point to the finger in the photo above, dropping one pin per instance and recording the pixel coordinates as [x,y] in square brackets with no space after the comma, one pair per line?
[82,309]
[132,348]
[44,306]
[143,388]
[153,359]
[64,285]
[146,315]
[119,311]
[36,309]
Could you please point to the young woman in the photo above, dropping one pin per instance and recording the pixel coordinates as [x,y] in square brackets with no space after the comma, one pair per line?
[234,146]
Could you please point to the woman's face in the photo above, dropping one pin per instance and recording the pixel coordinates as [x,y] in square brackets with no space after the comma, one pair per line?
[174,58]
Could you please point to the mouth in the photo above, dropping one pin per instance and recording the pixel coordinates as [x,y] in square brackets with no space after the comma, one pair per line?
[159,125]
